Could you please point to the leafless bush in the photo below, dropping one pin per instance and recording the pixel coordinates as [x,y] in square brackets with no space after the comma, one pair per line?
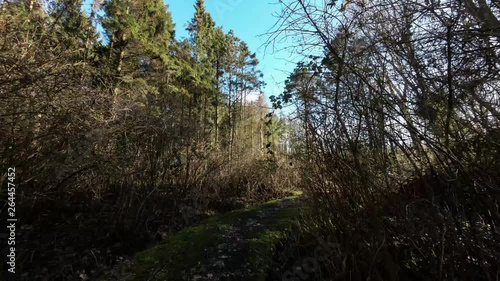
[400,157]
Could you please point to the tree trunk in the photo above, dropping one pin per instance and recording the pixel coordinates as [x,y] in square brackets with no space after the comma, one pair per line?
[230,123]
[217,102]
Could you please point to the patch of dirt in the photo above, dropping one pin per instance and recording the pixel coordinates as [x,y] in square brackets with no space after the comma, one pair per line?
[229,260]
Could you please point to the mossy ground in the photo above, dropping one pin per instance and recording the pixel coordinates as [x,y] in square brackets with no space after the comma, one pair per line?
[238,245]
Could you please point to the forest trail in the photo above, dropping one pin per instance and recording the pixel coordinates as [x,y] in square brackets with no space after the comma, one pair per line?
[238,245]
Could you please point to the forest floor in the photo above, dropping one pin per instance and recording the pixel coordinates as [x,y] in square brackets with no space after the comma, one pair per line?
[238,245]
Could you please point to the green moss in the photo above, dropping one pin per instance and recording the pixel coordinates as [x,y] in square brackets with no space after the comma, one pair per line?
[174,258]
[264,249]
[266,243]
[297,193]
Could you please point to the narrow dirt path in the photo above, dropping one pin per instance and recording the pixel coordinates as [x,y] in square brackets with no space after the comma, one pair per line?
[239,245]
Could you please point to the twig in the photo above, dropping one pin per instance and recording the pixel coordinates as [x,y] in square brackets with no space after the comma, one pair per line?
[442,256]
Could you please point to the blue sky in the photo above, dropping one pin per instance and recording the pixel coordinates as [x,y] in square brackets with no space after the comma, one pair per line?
[248,19]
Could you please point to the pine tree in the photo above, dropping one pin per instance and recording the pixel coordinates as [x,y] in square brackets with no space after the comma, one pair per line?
[202,30]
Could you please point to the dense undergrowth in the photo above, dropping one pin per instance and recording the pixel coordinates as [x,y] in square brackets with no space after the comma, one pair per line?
[451,234]
[70,236]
